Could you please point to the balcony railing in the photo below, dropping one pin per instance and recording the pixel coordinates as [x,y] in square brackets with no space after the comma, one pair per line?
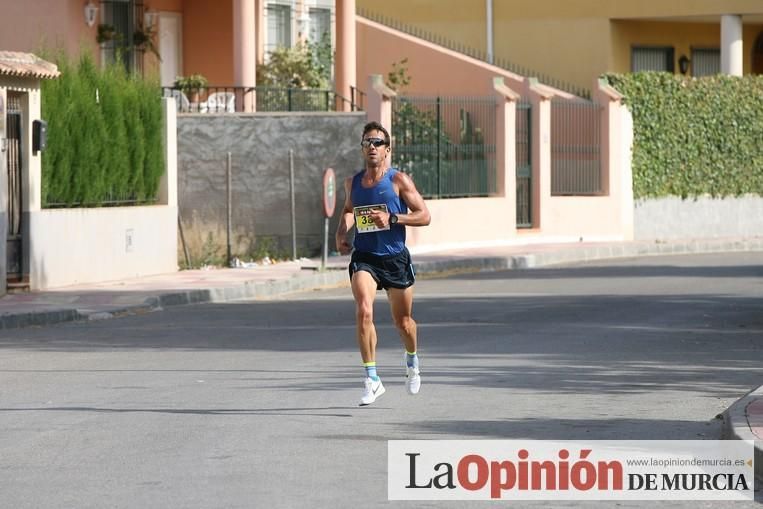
[251,99]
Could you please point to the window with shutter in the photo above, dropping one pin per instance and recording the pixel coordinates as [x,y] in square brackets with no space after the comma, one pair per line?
[705,61]
[279,26]
[652,59]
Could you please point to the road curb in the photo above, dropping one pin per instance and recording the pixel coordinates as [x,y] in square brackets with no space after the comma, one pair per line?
[39,318]
[736,426]
[314,280]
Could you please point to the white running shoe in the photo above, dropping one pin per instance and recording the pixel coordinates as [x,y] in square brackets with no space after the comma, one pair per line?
[373,389]
[413,382]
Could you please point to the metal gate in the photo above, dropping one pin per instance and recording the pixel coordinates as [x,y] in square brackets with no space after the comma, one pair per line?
[575,148]
[524,165]
[13,154]
[446,144]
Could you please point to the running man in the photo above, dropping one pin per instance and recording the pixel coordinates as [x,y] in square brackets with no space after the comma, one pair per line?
[380,202]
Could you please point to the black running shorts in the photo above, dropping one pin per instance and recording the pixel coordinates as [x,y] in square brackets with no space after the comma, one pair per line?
[394,271]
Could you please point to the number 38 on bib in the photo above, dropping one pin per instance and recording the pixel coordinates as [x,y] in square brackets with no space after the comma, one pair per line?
[363,221]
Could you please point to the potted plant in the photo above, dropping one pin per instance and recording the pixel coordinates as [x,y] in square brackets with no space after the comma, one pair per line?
[106,33]
[143,40]
[191,85]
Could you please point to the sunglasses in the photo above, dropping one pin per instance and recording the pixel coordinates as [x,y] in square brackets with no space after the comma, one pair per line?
[376,142]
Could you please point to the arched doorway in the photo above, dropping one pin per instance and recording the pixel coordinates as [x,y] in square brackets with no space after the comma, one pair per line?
[757,55]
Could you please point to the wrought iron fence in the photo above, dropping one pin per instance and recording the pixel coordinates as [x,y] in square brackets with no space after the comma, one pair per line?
[294,99]
[446,144]
[524,164]
[250,99]
[357,98]
[575,147]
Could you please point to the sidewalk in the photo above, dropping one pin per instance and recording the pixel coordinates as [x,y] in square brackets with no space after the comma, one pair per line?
[149,293]
[743,420]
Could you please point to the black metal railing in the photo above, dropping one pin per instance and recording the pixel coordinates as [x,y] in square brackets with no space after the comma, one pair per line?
[446,144]
[575,147]
[523,131]
[109,201]
[218,99]
[357,99]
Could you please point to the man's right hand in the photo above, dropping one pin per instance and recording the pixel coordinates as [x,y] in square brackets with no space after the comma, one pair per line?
[343,246]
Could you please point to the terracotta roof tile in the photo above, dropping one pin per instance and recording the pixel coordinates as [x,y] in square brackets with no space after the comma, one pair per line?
[26,65]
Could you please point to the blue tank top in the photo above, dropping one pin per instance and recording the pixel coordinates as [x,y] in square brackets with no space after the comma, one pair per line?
[384,242]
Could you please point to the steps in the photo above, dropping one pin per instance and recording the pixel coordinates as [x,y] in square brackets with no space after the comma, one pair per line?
[18,283]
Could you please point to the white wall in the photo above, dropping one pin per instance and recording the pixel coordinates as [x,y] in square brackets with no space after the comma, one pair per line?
[73,246]
[703,217]
[608,217]
[465,221]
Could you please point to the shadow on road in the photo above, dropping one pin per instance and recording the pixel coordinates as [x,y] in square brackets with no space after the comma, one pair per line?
[627,271]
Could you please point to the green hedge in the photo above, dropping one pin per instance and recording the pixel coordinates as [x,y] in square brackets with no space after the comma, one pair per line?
[694,136]
[104,137]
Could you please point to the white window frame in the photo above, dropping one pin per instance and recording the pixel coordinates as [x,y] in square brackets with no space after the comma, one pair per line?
[271,45]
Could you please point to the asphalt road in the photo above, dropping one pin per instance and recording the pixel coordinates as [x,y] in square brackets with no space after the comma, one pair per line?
[253,404]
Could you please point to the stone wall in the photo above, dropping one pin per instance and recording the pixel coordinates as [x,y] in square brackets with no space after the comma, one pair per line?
[261,212]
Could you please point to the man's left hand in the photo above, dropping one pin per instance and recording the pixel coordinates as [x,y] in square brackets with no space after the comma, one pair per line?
[380,218]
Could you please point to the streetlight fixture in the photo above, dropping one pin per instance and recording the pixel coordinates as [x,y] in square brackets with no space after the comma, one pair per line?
[683,64]
[91,10]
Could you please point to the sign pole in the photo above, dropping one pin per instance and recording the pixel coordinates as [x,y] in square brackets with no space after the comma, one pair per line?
[329,202]
[293,209]
[324,260]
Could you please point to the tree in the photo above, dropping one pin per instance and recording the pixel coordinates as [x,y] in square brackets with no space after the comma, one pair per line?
[419,141]
[305,65]
[297,78]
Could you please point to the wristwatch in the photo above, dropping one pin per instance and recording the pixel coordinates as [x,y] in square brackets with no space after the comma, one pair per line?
[393,219]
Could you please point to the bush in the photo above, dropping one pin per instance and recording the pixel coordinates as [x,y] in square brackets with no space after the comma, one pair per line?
[694,136]
[305,65]
[104,136]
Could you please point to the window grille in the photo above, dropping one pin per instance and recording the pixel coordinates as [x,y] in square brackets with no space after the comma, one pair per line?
[279,27]
[705,61]
[125,17]
[652,59]
[320,23]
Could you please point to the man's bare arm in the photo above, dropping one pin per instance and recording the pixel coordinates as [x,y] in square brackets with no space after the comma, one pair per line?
[346,220]
[418,214]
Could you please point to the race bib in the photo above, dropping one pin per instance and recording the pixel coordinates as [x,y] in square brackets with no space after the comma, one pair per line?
[363,221]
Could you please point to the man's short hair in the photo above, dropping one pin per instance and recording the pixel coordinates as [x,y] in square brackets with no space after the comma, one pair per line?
[375,126]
